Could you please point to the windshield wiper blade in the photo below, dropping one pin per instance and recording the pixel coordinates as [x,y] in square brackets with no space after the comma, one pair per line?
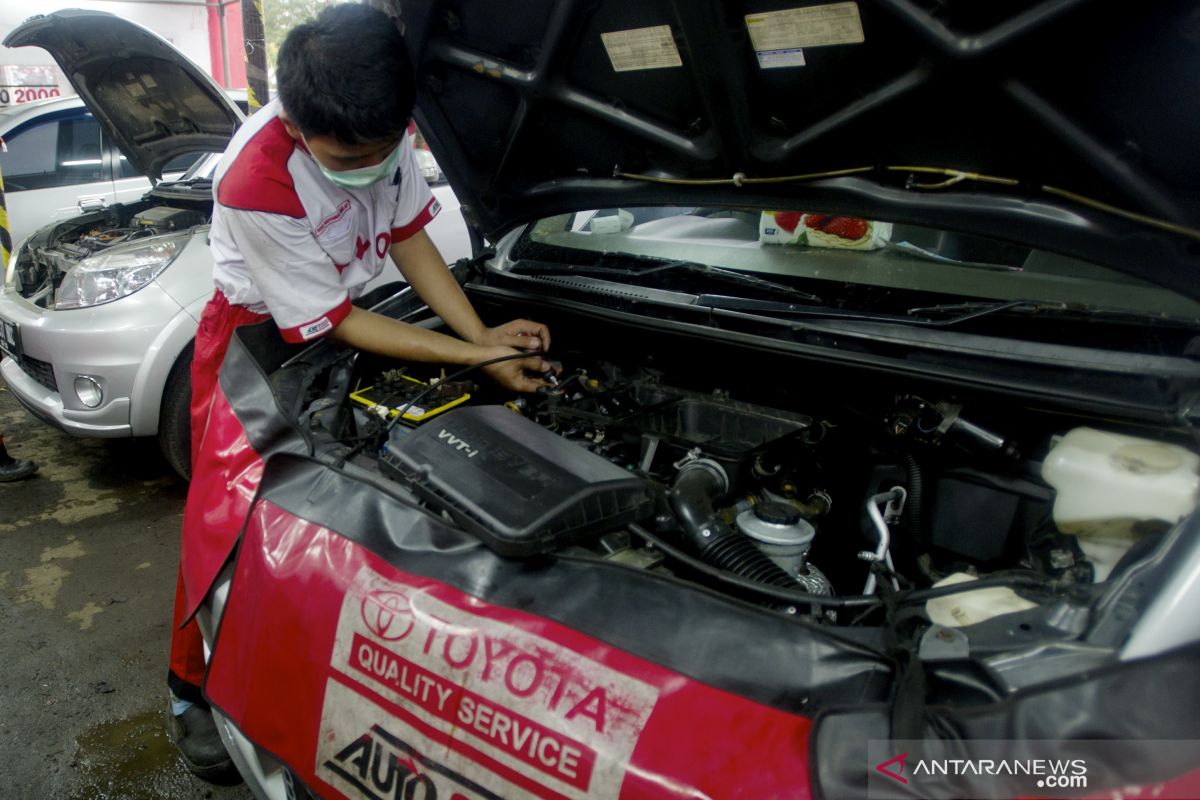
[962,312]
[735,277]
[183,184]
[613,271]
[727,303]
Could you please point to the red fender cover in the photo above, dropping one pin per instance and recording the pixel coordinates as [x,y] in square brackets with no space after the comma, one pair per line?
[368,681]
[380,652]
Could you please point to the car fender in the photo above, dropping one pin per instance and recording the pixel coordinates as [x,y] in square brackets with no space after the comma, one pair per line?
[188,281]
[151,380]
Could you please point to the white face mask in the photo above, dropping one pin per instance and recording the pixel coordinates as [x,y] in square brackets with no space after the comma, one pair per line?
[362,177]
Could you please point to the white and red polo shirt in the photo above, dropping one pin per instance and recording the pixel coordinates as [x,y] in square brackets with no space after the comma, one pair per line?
[288,242]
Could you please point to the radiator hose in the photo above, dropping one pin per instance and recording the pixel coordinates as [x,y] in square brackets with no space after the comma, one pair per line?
[697,485]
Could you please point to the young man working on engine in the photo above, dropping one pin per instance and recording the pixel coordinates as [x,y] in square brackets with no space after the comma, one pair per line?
[315,192]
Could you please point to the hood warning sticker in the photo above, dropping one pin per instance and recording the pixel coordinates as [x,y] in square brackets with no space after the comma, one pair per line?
[444,695]
[774,59]
[813,26]
[642,48]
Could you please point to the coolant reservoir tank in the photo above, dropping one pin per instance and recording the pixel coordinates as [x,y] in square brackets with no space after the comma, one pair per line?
[1107,482]
[968,608]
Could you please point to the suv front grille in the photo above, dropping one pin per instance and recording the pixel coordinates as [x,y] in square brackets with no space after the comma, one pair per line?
[40,371]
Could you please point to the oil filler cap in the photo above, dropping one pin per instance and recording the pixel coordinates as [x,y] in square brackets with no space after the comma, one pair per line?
[777,513]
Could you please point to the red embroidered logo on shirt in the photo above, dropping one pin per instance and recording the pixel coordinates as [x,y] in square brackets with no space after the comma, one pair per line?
[341,212]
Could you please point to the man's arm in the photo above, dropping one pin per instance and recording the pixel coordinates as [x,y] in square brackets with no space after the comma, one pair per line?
[375,333]
[418,259]
[420,262]
[423,267]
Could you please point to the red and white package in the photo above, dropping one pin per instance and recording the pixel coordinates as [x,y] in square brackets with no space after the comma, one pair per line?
[822,230]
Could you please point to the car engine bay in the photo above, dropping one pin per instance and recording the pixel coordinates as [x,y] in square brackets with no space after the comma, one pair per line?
[49,253]
[810,494]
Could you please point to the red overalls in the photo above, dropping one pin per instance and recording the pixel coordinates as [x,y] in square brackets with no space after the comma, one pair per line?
[217,325]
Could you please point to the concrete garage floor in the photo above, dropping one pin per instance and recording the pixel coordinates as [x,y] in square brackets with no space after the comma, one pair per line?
[88,551]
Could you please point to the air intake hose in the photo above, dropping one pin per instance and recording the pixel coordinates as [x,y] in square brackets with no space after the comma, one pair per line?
[697,485]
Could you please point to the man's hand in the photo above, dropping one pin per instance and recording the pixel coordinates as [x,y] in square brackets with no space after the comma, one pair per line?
[520,333]
[519,374]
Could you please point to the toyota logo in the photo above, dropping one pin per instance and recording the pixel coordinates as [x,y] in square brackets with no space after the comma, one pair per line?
[387,614]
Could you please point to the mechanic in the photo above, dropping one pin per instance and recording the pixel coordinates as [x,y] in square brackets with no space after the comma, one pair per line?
[314,193]
[12,469]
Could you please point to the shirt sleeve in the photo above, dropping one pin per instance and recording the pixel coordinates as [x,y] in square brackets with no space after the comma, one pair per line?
[416,205]
[298,282]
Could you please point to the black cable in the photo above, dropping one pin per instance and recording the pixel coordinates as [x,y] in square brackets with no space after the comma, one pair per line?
[362,442]
[469,368]
[992,581]
[862,616]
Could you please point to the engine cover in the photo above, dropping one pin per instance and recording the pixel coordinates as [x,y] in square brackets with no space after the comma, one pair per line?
[520,488]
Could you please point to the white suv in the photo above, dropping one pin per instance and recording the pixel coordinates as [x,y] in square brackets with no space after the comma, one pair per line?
[59,163]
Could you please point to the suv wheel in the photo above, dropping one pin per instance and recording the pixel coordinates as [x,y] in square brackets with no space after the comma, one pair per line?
[174,419]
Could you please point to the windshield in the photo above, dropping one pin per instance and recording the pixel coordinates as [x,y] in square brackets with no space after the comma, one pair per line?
[850,262]
[203,169]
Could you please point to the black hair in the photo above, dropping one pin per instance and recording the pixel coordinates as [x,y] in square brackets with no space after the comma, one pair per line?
[347,74]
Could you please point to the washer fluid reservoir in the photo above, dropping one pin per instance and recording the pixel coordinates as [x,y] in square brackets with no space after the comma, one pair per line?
[1107,483]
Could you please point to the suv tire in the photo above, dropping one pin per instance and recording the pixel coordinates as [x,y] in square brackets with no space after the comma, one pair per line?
[174,418]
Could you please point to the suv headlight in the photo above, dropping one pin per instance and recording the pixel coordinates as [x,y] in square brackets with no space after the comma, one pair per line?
[10,270]
[114,274]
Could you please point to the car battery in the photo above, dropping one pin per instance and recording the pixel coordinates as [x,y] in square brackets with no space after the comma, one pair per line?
[166,218]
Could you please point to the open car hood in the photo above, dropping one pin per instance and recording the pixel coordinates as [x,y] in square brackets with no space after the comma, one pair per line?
[153,101]
[1060,124]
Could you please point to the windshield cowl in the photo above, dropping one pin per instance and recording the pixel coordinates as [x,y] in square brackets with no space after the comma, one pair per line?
[795,266]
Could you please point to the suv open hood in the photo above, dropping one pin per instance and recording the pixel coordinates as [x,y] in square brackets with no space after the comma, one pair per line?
[1065,125]
[153,101]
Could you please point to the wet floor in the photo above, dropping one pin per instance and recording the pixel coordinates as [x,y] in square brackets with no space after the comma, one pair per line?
[88,551]
[128,759]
